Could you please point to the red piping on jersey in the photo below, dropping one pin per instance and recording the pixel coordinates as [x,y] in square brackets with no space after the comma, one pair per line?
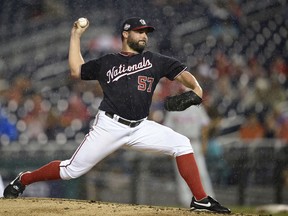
[180,73]
[76,152]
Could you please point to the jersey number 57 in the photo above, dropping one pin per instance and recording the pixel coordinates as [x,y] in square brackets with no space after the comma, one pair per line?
[145,83]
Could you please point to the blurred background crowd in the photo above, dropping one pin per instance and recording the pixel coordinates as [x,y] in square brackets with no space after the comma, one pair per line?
[237,49]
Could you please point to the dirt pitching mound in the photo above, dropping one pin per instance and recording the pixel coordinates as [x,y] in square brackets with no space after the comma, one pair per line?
[65,207]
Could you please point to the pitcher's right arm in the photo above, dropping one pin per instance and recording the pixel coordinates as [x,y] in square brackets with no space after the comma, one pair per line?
[75,56]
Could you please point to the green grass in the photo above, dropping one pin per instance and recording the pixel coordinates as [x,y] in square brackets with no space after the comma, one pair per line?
[252,210]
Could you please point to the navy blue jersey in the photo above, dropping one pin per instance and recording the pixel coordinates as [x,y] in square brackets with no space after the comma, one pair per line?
[128,81]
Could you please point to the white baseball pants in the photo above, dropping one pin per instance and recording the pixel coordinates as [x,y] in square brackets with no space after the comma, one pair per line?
[107,135]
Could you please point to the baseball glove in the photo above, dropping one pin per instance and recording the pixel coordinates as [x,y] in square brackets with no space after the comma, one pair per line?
[182,101]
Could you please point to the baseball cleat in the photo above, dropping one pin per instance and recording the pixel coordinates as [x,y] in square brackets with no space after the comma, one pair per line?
[208,204]
[14,188]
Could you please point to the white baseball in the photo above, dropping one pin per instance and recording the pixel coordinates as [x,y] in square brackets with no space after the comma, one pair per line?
[83,22]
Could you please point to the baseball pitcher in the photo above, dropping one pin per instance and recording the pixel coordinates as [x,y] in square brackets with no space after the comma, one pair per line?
[128,80]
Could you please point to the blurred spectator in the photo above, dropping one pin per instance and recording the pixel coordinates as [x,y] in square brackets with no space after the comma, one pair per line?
[224,19]
[35,118]
[76,115]
[193,123]
[235,9]
[283,135]
[252,128]
[222,64]
[281,117]
[216,164]
[270,125]
[4,85]
[8,130]
[104,43]
[279,66]
[53,125]
[261,91]
[205,75]
[17,90]
[278,92]
[256,70]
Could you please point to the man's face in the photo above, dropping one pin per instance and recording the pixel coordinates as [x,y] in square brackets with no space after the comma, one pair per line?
[137,40]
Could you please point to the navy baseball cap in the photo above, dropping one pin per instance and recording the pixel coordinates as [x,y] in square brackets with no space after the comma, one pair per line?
[136,23]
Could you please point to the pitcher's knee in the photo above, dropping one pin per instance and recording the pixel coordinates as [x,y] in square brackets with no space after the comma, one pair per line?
[70,171]
[184,147]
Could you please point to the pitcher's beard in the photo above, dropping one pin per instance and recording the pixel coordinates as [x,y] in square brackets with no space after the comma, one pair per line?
[137,46]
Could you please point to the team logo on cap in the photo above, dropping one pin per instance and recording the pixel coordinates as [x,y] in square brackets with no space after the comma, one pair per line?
[126,26]
[142,22]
